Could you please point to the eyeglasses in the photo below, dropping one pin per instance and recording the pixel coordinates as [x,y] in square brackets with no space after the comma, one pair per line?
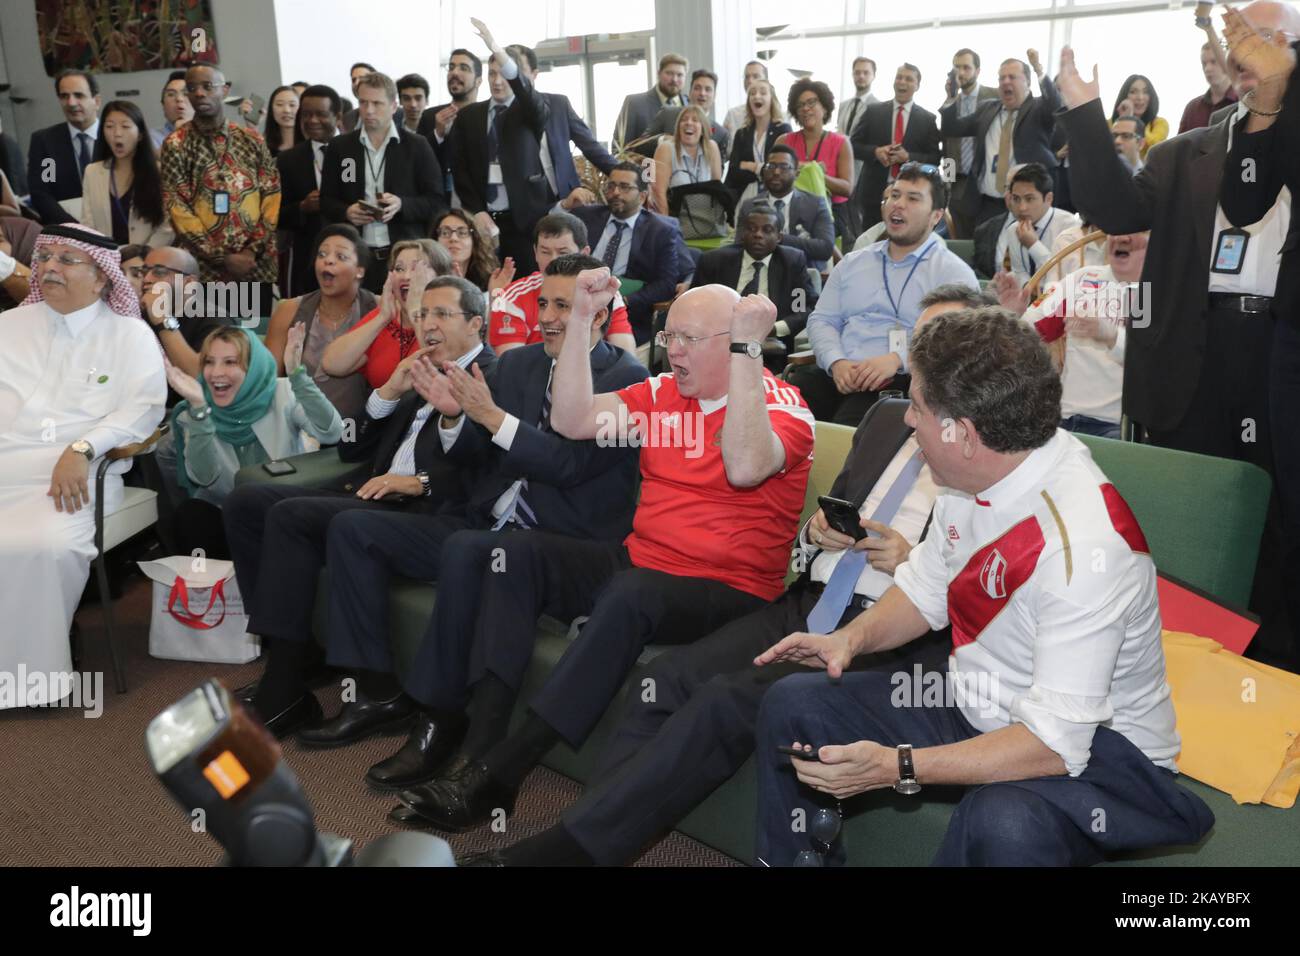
[613,187]
[823,830]
[204,87]
[1120,135]
[767,166]
[162,272]
[439,315]
[448,233]
[808,104]
[664,338]
[135,272]
[64,259]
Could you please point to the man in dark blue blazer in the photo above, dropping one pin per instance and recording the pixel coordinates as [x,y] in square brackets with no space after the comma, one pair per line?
[563,126]
[59,154]
[278,531]
[522,478]
[635,243]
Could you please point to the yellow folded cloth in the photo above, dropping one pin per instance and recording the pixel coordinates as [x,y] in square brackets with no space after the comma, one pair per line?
[1239,720]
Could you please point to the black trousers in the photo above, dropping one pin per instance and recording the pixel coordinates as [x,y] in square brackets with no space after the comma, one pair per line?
[277,537]
[197,526]
[365,551]
[628,608]
[515,242]
[692,726]
[826,402]
[1228,416]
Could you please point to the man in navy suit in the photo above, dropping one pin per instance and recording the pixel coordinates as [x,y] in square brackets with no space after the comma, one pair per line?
[635,244]
[1032,121]
[522,477]
[59,154]
[882,152]
[278,532]
[762,265]
[563,125]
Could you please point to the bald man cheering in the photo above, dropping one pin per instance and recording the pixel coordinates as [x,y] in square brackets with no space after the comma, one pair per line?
[725,455]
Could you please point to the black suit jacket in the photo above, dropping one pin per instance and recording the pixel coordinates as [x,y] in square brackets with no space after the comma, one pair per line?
[1174,196]
[920,139]
[411,172]
[1031,140]
[742,151]
[378,439]
[520,152]
[298,178]
[54,142]
[653,259]
[1276,155]
[575,488]
[788,285]
[445,151]
[11,161]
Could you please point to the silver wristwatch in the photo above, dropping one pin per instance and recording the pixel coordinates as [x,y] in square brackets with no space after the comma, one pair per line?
[906,772]
[82,447]
[425,489]
[171,325]
[751,348]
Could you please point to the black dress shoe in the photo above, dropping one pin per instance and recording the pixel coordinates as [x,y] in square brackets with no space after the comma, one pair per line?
[357,721]
[247,692]
[490,858]
[304,710]
[423,757]
[461,800]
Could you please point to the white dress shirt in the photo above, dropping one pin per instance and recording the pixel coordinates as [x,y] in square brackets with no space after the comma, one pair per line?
[376,233]
[747,272]
[1026,261]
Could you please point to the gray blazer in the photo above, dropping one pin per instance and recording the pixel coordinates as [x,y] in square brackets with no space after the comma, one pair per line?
[809,226]
[639,109]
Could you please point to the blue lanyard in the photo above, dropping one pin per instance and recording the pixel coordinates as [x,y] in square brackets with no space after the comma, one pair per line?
[884,273]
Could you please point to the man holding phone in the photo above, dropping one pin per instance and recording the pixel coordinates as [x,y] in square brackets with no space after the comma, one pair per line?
[1056,703]
[964,85]
[380,178]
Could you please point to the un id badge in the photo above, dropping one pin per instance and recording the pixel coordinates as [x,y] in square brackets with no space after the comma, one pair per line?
[1230,252]
[221,203]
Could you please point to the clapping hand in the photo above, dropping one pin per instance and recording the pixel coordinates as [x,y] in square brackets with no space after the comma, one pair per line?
[185,385]
[1074,89]
[472,394]
[433,387]
[502,276]
[293,343]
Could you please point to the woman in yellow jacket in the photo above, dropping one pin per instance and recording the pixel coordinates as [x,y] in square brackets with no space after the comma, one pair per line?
[1137,97]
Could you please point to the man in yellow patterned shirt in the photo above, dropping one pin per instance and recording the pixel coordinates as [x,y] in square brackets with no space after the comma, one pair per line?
[221,189]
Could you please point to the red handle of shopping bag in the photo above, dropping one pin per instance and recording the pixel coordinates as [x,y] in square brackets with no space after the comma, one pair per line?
[181,594]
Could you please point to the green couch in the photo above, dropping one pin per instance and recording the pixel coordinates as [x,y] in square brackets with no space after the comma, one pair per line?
[1202,518]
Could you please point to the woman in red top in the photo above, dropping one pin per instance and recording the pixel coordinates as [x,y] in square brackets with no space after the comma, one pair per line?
[387,335]
[811,105]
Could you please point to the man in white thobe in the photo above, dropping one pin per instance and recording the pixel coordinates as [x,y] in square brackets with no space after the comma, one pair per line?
[80,375]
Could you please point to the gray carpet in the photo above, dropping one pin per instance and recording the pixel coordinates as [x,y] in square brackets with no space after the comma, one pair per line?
[80,792]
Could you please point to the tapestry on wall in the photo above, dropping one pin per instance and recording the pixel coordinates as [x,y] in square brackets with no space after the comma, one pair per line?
[125,36]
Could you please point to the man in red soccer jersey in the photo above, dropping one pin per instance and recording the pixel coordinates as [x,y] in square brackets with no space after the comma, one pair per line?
[513,320]
[725,455]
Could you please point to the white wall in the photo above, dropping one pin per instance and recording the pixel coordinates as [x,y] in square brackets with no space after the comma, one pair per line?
[246,43]
[320,39]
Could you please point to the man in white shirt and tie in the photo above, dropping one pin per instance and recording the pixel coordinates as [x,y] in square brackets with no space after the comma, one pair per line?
[80,375]
[59,154]
[1026,241]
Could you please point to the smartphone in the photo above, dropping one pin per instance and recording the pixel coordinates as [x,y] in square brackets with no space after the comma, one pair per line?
[800,753]
[278,468]
[842,516]
[372,208]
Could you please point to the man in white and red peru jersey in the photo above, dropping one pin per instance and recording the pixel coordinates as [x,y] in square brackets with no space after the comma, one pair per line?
[726,449]
[1056,712]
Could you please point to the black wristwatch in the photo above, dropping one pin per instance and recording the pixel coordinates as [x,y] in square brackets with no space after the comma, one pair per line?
[906,772]
[751,348]
[425,488]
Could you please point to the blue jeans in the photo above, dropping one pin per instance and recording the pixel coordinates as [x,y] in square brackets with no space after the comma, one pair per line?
[1091,426]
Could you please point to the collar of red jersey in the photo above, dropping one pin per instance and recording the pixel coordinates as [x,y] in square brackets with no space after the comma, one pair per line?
[1029,473]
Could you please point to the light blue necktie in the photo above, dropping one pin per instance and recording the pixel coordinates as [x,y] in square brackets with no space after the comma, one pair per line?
[825,615]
